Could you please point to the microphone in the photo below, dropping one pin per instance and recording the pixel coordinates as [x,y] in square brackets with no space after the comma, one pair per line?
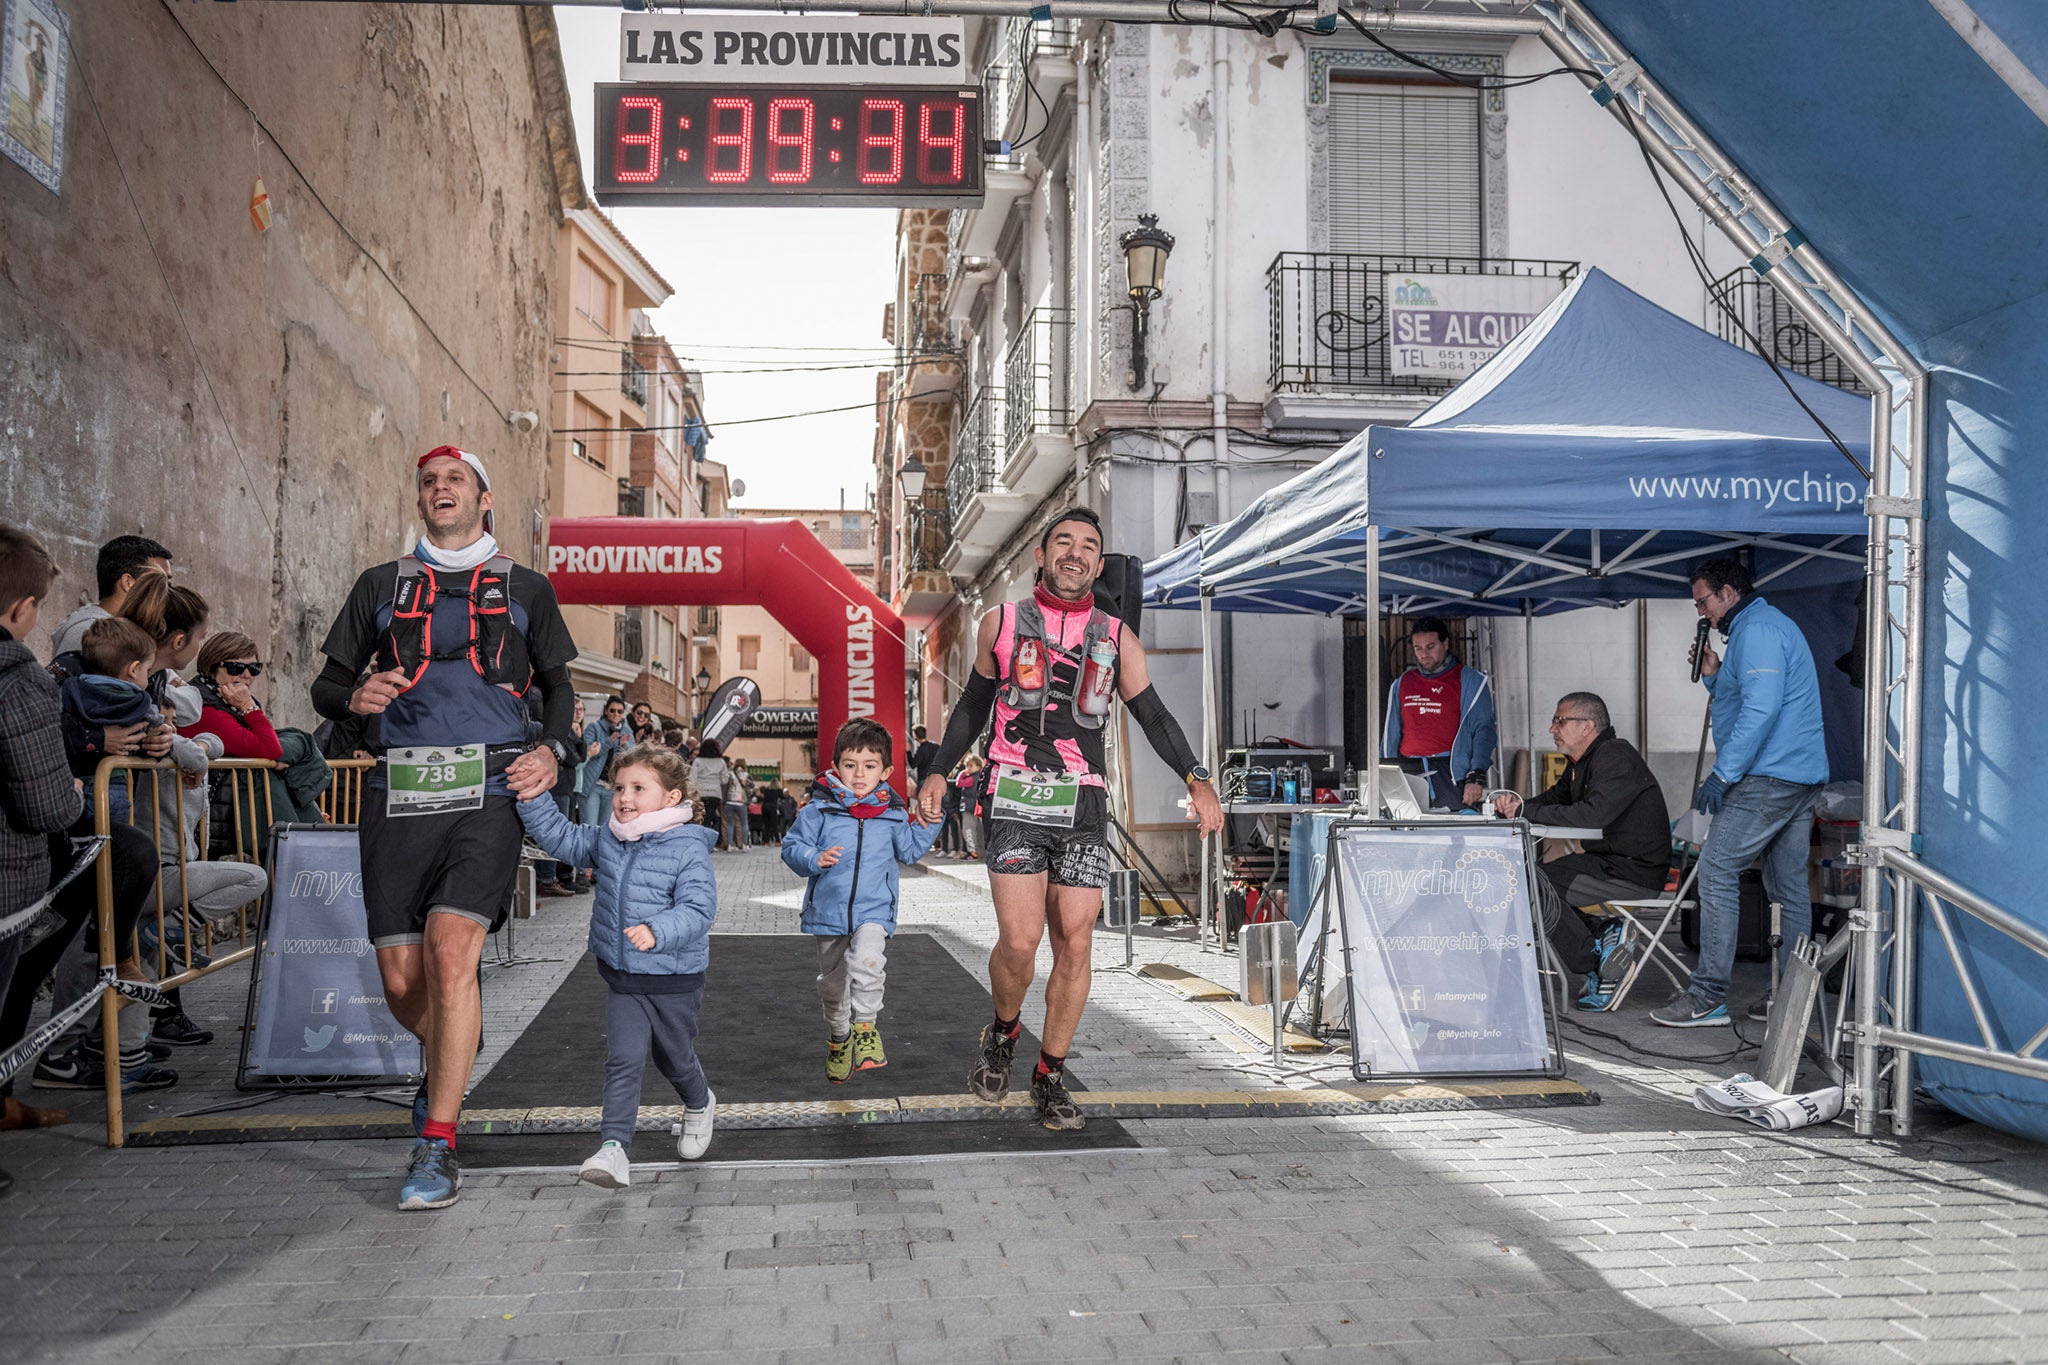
[1699,647]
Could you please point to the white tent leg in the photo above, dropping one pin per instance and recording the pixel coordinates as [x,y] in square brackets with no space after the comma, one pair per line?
[1529,691]
[1205,873]
[1372,672]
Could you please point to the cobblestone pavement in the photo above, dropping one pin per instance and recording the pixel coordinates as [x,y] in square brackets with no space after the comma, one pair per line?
[1632,1230]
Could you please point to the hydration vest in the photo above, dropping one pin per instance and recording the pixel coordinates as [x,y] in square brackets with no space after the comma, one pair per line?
[496,647]
[1025,620]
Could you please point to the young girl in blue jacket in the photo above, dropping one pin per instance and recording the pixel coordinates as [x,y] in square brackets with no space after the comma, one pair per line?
[650,928]
[848,842]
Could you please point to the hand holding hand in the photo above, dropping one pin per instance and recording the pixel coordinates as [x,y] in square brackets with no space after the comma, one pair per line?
[532,773]
[830,857]
[377,692]
[931,796]
[1507,805]
[1204,808]
[641,937]
[1712,793]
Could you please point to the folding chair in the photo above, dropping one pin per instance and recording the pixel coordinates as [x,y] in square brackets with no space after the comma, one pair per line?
[1635,916]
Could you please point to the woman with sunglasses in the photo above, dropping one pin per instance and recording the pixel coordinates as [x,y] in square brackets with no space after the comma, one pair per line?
[227,668]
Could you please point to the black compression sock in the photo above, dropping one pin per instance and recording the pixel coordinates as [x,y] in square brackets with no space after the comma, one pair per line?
[1009,1028]
[1049,1065]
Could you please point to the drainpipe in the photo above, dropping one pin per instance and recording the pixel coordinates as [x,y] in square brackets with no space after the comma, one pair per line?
[1081,258]
[1219,268]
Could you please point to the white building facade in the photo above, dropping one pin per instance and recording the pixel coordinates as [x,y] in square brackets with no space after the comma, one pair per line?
[1301,176]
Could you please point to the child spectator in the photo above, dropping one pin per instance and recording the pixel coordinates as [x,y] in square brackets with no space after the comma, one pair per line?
[850,904]
[38,797]
[110,694]
[650,926]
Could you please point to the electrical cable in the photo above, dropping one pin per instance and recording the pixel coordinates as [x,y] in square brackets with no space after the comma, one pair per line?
[1698,259]
[1467,79]
[750,421]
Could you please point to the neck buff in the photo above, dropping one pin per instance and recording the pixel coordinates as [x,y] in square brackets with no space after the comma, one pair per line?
[468,557]
[866,807]
[654,822]
[1049,602]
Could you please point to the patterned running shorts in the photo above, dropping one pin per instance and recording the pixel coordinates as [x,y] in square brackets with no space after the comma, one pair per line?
[1076,856]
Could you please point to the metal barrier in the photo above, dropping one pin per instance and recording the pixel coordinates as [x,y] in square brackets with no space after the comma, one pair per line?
[248,791]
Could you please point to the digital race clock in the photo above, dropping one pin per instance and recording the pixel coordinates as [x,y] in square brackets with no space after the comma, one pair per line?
[774,144]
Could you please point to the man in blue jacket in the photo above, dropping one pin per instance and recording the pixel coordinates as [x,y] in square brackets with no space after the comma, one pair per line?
[1770,762]
[1440,713]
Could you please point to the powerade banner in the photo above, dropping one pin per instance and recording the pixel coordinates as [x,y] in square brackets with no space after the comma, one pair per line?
[1449,325]
[728,709]
[316,1012]
[1441,954]
[781,722]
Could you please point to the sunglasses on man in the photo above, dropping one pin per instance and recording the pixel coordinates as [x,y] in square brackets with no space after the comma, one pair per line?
[240,670]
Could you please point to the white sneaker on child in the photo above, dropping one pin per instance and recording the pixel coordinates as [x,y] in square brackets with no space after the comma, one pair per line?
[608,1168]
[693,1134]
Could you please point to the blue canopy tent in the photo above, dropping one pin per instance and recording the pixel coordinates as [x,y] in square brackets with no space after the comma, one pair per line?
[1607,447]
[1590,462]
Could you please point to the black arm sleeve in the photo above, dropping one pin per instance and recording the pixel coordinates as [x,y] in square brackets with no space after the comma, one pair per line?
[964,726]
[331,691]
[558,708]
[1164,732]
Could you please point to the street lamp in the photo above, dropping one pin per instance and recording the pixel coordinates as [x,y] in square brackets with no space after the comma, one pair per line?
[1145,249]
[912,477]
[703,680]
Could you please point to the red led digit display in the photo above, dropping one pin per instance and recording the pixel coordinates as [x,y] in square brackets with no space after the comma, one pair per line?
[695,144]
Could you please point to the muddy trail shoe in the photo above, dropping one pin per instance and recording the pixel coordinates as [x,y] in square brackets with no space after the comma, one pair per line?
[990,1079]
[1056,1108]
[867,1048]
[838,1059]
[433,1180]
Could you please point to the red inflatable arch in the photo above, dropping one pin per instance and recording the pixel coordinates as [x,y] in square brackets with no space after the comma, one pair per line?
[855,638]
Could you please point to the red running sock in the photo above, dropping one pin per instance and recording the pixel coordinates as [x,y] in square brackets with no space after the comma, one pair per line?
[1010,1028]
[1048,1064]
[443,1131]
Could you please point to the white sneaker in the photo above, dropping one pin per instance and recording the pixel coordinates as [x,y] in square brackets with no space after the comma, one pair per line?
[693,1134]
[608,1168]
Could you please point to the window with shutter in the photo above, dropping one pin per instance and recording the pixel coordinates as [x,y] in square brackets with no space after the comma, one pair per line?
[1404,169]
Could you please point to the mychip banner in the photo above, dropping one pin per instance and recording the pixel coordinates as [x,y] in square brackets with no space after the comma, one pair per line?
[316,1015]
[1441,953]
[1447,326]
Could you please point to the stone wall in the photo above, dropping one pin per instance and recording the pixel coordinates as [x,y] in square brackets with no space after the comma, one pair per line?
[261,412]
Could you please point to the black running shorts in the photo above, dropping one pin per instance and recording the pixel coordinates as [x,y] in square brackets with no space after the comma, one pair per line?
[462,862]
[1075,856]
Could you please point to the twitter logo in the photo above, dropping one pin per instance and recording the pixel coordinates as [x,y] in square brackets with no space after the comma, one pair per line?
[317,1039]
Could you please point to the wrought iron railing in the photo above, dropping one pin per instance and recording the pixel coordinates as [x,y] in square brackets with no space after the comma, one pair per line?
[632,378]
[1787,338]
[1327,325]
[632,501]
[976,461]
[928,533]
[628,644]
[1035,377]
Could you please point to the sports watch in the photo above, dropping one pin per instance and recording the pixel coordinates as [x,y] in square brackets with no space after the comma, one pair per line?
[559,750]
[1198,773]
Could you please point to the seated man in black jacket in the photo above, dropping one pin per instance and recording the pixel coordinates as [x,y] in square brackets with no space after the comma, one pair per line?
[1605,786]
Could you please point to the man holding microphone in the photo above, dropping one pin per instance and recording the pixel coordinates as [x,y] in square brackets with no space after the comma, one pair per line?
[1770,762]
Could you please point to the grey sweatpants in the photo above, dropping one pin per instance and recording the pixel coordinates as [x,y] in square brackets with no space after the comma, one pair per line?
[851,972]
[634,1025]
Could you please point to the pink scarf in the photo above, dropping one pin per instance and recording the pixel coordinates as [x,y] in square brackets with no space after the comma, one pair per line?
[654,822]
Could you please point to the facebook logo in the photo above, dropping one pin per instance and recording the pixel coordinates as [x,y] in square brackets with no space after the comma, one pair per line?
[324,1001]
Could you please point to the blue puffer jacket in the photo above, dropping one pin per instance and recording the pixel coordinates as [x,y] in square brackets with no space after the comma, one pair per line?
[861,887]
[1767,701]
[663,881]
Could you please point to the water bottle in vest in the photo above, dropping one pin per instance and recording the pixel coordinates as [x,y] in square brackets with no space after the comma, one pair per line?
[1098,677]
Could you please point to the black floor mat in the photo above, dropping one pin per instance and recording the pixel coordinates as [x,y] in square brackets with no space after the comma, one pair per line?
[762,1040]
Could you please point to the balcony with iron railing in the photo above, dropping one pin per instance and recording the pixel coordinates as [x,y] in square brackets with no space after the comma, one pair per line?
[1038,409]
[1762,316]
[628,638]
[927,533]
[1327,317]
[632,378]
[975,462]
[981,507]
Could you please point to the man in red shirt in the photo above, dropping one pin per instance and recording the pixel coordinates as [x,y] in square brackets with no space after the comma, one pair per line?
[1440,714]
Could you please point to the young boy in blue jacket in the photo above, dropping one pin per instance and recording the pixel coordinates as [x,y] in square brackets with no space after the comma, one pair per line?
[848,841]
